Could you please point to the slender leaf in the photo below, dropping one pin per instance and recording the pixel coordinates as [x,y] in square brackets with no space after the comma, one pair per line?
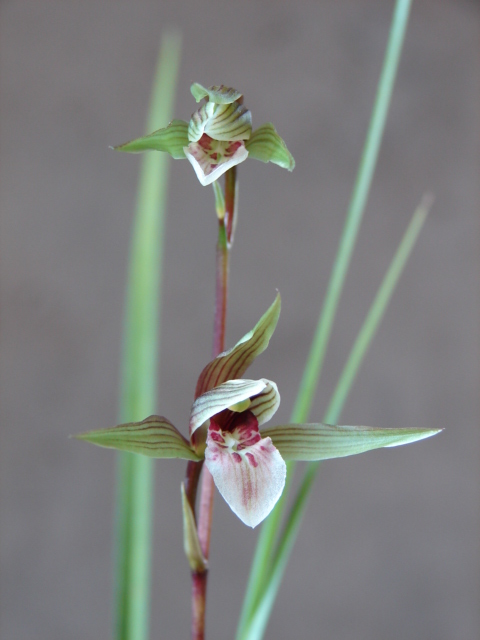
[139,370]
[266,542]
[259,618]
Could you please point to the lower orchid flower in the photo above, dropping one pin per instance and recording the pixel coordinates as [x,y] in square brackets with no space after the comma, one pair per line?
[247,463]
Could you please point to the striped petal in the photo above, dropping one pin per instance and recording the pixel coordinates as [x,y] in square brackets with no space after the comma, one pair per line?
[212,158]
[266,145]
[232,364]
[264,403]
[247,470]
[155,437]
[227,122]
[171,139]
[218,94]
[323,441]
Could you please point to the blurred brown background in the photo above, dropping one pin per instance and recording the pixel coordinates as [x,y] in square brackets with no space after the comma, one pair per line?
[389,548]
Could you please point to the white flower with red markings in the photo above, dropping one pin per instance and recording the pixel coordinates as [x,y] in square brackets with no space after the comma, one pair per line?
[218,136]
[247,462]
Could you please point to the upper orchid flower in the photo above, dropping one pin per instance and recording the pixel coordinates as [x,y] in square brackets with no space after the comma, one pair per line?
[218,136]
[247,464]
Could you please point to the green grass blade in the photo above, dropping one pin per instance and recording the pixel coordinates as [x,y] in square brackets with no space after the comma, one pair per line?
[355,212]
[259,619]
[139,368]
[267,537]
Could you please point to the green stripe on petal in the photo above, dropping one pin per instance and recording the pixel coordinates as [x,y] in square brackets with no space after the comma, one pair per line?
[265,404]
[155,437]
[232,364]
[228,122]
[323,441]
[218,94]
[225,395]
[266,145]
[170,139]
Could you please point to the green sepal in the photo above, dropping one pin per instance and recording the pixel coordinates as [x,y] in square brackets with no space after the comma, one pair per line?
[218,94]
[191,543]
[322,441]
[233,363]
[155,437]
[219,200]
[226,122]
[170,139]
[266,145]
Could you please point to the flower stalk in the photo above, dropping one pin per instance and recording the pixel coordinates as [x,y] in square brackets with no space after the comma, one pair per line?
[225,235]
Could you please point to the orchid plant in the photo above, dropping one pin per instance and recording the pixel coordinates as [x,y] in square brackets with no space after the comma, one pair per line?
[228,445]
[247,465]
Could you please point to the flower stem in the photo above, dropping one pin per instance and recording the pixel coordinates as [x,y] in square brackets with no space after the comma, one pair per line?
[225,236]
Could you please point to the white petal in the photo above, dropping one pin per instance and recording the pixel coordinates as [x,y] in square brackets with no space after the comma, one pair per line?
[250,478]
[209,170]
[222,397]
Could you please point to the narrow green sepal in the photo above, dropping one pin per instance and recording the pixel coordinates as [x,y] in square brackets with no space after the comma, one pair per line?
[170,139]
[218,94]
[233,363]
[266,145]
[311,442]
[191,543]
[155,437]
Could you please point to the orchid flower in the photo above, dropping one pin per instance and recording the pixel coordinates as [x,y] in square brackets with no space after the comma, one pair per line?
[247,462]
[218,136]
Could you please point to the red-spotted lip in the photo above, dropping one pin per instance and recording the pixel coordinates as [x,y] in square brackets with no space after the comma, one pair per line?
[247,469]
[212,158]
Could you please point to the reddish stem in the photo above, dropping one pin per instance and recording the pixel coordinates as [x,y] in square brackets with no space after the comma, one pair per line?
[199,586]
[225,235]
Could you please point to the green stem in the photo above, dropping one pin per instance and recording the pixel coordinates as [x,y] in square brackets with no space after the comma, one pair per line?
[268,535]
[255,629]
[139,369]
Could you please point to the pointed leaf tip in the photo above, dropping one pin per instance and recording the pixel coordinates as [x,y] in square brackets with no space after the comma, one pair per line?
[155,437]
[171,139]
[312,442]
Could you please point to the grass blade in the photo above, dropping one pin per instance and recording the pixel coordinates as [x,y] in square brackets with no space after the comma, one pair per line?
[256,628]
[139,368]
[267,538]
